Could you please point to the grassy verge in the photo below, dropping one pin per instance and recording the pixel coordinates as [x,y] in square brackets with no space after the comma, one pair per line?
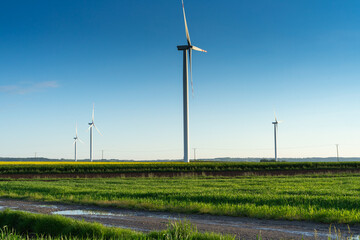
[324,198]
[172,167]
[18,225]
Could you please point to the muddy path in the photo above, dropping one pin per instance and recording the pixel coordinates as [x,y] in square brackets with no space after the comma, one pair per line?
[179,174]
[244,228]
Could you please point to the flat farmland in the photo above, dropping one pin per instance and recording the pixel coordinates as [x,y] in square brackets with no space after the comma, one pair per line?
[167,169]
[329,198]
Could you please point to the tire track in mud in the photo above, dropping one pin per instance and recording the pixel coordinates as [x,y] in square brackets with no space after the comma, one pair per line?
[244,228]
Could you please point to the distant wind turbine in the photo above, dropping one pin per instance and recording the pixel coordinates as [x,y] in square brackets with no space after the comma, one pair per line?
[337,152]
[76,138]
[275,134]
[186,48]
[91,126]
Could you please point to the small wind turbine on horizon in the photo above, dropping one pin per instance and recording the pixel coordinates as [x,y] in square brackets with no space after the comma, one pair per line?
[91,126]
[275,134]
[186,49]
[76,138]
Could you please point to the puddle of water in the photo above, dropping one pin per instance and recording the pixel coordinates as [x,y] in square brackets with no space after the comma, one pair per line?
[306,234]
[79,212]
[86,213]
[162,217]
[5,207]
[100,214]
[47,206]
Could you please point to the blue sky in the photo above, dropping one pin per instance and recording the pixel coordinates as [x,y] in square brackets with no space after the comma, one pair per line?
[299,58]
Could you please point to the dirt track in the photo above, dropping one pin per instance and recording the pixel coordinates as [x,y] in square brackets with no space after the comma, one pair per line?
[178,174]
[244,228]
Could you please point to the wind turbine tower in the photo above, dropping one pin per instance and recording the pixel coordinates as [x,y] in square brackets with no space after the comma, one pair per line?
[91,126]
[275,135]
[76,138]
[186,50]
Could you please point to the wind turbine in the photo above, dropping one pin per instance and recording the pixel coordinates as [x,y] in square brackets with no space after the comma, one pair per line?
[186,49]
[76,138]
[275,133]
[91,126]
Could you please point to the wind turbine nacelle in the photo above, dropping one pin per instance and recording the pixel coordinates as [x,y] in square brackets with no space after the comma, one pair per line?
[274,122]
[183,47]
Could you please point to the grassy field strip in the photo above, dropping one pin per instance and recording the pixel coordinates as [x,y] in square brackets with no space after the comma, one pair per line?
[76,163]
[324,198]
[141,167]
[16,225]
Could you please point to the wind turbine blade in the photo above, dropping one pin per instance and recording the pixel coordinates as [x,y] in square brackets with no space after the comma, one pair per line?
[191,81]
[80,140]
[90,126]
[74,142]
[76,128]
[275,117]
[186,28]
[93,112]
[198,49]
[97,130]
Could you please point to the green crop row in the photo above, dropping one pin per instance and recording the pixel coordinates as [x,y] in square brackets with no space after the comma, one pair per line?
[322,198]
[16,225]
[171,167]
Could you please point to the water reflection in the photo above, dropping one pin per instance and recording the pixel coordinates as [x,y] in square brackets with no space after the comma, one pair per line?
[86,213]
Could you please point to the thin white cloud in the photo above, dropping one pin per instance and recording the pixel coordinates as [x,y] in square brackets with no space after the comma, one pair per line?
[28,87]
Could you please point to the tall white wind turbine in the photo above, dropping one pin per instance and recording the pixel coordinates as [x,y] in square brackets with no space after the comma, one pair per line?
[76,138]
[91,126]
[186,49]
[275,134]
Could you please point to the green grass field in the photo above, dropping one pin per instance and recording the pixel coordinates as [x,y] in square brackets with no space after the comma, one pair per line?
[141,167]
[322,198]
